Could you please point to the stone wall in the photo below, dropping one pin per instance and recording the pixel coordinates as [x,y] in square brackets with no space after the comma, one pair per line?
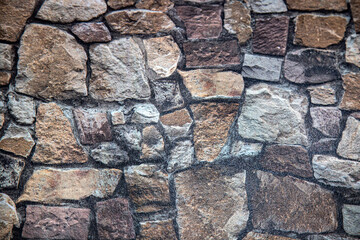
[185,119]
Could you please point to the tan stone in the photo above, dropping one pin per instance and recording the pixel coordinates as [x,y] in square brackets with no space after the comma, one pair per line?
[207,83]
[264,236]
[355,12]
[351,98]
[52,185]
[4,78]
[319,31]
[17,140]
[313,5]
[153,143]
[323,94]
[56,142]
[352,54]
[155,5]
[117,4]
[159,230]
[118,118]
[8,217]
[177,118]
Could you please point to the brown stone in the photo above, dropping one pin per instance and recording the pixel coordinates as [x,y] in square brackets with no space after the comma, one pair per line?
[157,230]
[177,118]
[270,35]
[155,5]
[10,171]
[264,236]
[355,12]
[4,78]
[314,5]
[351,98]
[56,223]
[201,22]
[93,127]
[114,220]
[288,159]
[291,204]
[139,22]
[211,53]
[17,140]
[118,4]
[92,32]
[56,143]
[153,143]
[8,216]
[319,31]
[212,124]
[323,94]
[13,16]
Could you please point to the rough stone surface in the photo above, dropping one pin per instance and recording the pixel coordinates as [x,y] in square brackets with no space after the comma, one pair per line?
[268,6]
[181,156]
[52,185]
[7,55]
[350,140]
[39,75]
[355,12]
[13,17]
[17,140]
[177,124]
[22,108]
[351,219]
[211,203]
[264,236]
[324,94]
[152,146]
[210,83]
[56,223]
[211,53]
[10,171]
[137,21]
[159,230]
[336,172]
[118,118]
[8,216]
[237,20]
[351,98]
[93,127]
[155,5]
[145,113]
[243,150]
[118,71]
[273,114]
[311,66]
[319,31]
[352,54]
[92,32]
[4,78]
[314,5]
[66,11]
[308,208]
[324,145]
[270,35]
[201,22]
[329,237]
[56,143]
[212,124]
[118,4]
[326,120]
[167,95]
[109,154]
[128,135]
[262,68]
[114,220]
[163,55]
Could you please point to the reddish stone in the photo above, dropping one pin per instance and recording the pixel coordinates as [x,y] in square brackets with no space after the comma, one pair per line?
[211,53]
[355,11]
[56,223]
[92,32]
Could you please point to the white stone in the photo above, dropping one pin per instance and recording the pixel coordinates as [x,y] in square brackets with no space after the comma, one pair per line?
[145,113]
[181,156]
[268,6]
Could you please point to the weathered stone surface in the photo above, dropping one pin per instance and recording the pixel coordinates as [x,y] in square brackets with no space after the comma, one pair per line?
[163,55]
[311,66]
[201,22]
[145,113]
[268,6]
[137,21]
[128,135]
[118,4]
[203,1]
[52,185]
[237,20]
[71,10]
[114,220]
[326,120]
[264,236]
[181,156]
[355,12]
[148,186]
[22,108]
[167,95]
[336,172]
[308,208]
[93,126]
[159,230]
[177,124]
[13,16]
[270,35]
[209,83]
[155,5]
[350,140]
[17,140]
[39,75]
[351,219]
[4,78]
[274,114]
[211,203]
[118,71]
[262,68]
[324,94]
[109,154]
[329,237]
[288,159]
[212,124]
[324,145]
[10,171]
[118,118]
[352,54]
[152,146]
[313,5]
[243,150]
[56,223]
[56,142]
[319,31]
[7,55]
[8,216]
[351,98]
[92,32]
[211,53]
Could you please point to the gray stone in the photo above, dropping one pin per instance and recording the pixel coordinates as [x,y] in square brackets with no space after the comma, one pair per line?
[22,108]
[152,146]
[351,219]
[109,154]
[177,124]
[145,113]
[352,54]
[17,140]
[128,135]
[8,216]
[268,6]
[7,55]
[350,140]
[329,237]
[241,150]
[262,68]
[324,145]
[326,120]
[167,95]
[324,94]
[10,171]
[181,156]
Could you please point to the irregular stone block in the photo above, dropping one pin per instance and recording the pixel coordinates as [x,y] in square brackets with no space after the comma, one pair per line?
[262,68]
[152,146]
[329,237]
[181,156]
[324,94]
[264,236]
[167,95]
[109,154]
[17,140]
[351,97]
[22,108]
[128,135]
[314,5]
[355,12]
[352,54]
[155,5]
[145,113]
[118,4]
[7,55]
[351,219]
[326,120]
[4,78]
[10,171]
[160,230]
[324,145]
[268,6]
[56,223]
[177,124]
[118,118]
[350,140]
[92,32]
[8,216]
[243,150]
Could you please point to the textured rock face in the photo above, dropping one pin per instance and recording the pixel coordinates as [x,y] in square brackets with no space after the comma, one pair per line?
[4,78]
[118,71]
[349,144]
[176,124]
[181,156]
[13,16]
[152,146]
[324,145]
[8,216]
[352,54]
[155,5]
[319,31]
[243,150]
[39,75]
[212,124]
[201,22]
[139,22]
[17,140]
[351,98]
[145,113]
[160,230]
[308,208]
[273,114]
[313,5]
[262,68]
[114,220]
[53,222]
[323,94]
[351,215]
[210,83]
[109,154]
[56,143]
[268,6]
[22,108]
[128,135]
[52,185]
[326,120]
[355,11]
[270,35]
[212,202]
[118,118]
[329,237]
[118,4]
[167,95]
[10,171]
[7,55]
[311,66]
[264,236]
[92,32]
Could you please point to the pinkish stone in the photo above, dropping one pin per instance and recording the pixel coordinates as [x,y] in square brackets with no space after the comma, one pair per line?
[92,32]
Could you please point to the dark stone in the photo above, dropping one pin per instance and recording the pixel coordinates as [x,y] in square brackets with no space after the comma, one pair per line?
[167,95]
[324,145]
[10,171]
[355,12]
[128,135]
[92,32]
[326,120]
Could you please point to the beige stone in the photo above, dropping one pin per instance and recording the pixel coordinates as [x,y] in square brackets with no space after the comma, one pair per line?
[352,54]
[118,118]
[159,230]
[177,124]
[155,5]
[264,236]
[4,78]
[313,5]
[118,4]
[8,217]
[351,98]
[324,94]
[17,140]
